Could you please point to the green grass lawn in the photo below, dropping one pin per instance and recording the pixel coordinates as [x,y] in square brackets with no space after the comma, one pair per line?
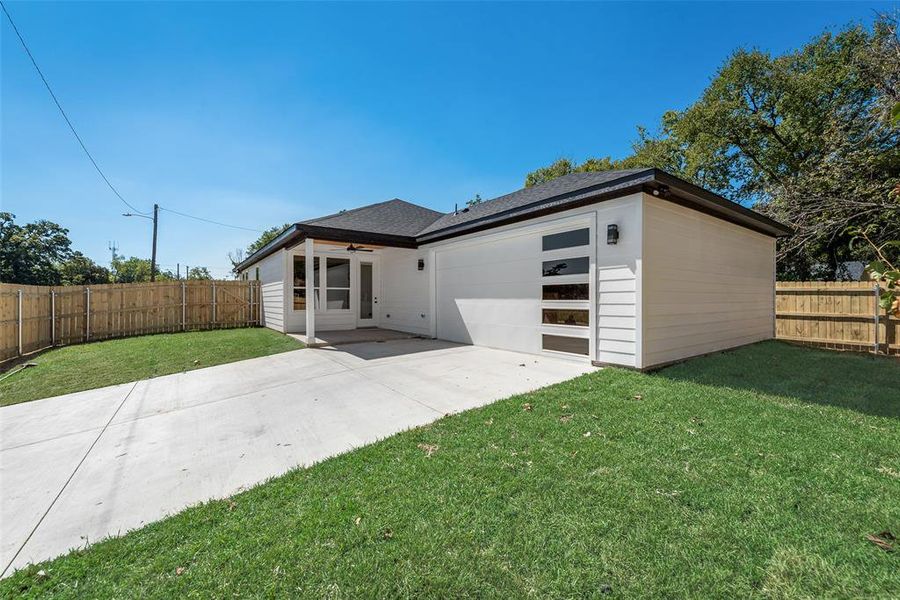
[88,366]
[757,472]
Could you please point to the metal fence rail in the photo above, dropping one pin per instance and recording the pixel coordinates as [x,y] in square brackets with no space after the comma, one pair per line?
[36,317]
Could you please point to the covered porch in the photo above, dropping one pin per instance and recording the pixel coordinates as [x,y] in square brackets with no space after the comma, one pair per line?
[354,290]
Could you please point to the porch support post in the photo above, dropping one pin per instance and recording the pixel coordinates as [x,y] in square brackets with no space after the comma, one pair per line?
[310,292]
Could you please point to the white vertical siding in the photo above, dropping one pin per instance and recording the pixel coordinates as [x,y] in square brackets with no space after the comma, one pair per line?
[708,284]
[272,286]
[404,301]
[618,282]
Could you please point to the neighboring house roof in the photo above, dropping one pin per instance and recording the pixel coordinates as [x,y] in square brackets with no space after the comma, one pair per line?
[400,223]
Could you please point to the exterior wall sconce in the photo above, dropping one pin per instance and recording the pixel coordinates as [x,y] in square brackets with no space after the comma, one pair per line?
[421,264]
[612,234]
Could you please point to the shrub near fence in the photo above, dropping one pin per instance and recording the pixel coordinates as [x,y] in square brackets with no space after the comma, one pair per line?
[835,314]
[36,317]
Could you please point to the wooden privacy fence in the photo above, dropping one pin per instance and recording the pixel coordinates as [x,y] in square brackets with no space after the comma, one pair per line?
[835,314]
[36,317]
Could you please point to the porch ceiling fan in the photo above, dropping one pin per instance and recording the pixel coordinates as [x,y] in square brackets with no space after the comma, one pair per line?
[352,248]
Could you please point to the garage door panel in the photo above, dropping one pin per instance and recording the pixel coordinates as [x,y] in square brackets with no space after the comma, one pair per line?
[510,272]
[489,294]
[487,253]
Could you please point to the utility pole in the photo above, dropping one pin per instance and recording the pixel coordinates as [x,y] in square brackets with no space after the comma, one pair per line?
[153,255]
[155,219]
[177,270]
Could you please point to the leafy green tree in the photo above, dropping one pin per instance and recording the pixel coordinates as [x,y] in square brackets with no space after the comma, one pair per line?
[199,273]
[802,137]
[560,167]
[78,269]
[474,201]
[136,270]
[30,253]
[565,166]
[267,236]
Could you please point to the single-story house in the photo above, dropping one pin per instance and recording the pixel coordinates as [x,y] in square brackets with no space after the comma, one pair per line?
[632,267]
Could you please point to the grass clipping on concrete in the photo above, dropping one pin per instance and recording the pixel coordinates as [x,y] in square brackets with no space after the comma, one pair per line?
[758,472]
[98,364]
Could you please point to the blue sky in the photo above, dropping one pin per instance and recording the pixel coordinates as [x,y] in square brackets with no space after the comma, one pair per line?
[258,114]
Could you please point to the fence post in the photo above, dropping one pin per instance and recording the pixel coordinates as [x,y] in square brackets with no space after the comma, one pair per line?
[19,322]
[52,318]
[877,290]
[87,314]
[183,306]
[213,303]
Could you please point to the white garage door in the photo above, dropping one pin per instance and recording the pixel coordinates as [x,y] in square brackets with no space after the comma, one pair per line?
[488,293]
[528,292]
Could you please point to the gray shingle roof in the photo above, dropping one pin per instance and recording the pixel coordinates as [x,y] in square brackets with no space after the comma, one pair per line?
[564,187]
[393,217]
[403,224]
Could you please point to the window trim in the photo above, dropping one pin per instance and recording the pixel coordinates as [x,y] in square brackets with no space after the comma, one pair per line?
[545,277]
[324,283]
[565,232]
[565,352]
[588,251]
[316,288]
[545,284]
[578,309]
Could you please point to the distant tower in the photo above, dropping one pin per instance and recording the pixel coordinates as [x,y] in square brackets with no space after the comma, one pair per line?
[113,248]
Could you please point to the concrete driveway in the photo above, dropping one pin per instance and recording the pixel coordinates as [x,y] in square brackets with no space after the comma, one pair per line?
[77,468]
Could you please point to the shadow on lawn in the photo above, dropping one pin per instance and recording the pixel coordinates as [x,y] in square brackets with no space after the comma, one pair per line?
[866,384]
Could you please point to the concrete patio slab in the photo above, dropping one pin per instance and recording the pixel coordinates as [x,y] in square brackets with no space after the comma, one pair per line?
[353,336]
[182,439]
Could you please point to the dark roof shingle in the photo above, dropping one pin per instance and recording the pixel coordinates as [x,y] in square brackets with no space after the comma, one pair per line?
[401,223]
[559,187]
[393,217]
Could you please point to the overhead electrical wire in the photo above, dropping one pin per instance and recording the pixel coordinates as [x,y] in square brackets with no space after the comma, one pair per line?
[63,112]
[84,147]
[181,214]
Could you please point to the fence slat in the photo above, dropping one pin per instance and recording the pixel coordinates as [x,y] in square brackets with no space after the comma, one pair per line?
[36,317]
[835,314]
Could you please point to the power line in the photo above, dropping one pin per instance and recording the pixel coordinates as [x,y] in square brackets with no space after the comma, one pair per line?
[83,147]
[63,112]
[181,214]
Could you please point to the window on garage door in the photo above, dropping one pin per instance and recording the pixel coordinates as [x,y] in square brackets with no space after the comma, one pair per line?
[565,291]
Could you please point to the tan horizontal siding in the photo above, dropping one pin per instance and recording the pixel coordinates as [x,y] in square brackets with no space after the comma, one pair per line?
[708,285]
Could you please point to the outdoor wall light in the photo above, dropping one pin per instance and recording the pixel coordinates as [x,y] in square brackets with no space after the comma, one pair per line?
[612,234]
[421,264]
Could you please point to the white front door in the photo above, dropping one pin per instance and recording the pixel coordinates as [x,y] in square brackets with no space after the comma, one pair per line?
[369,289]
